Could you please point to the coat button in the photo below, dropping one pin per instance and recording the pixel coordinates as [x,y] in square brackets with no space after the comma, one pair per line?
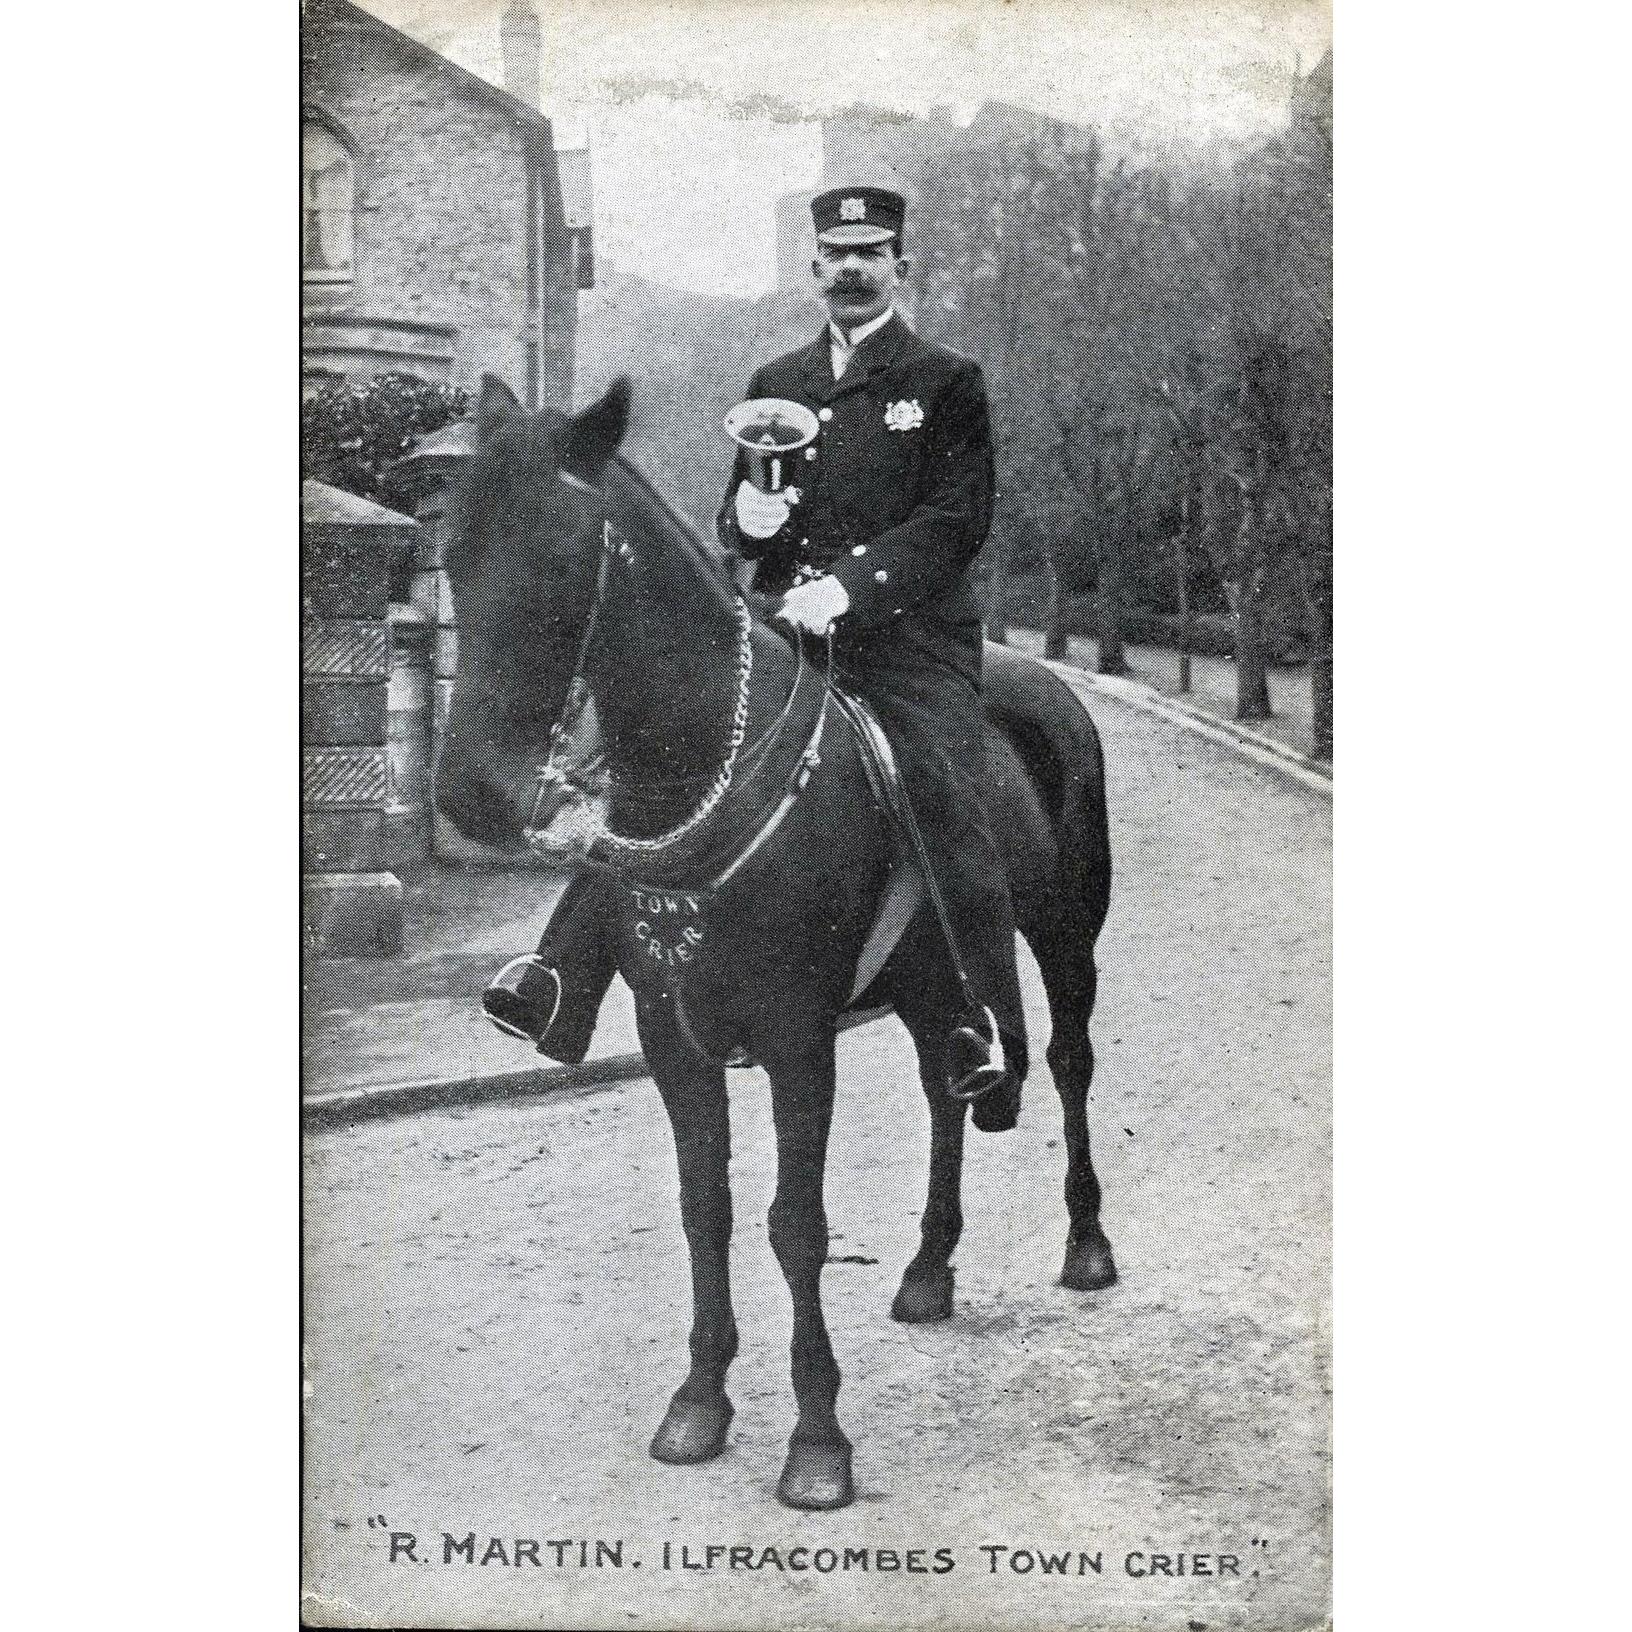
[810,453]
[881,576]
[824,414]
[858,549]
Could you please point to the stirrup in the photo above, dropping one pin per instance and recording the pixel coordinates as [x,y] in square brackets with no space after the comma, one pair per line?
[993,1070]
[528,960]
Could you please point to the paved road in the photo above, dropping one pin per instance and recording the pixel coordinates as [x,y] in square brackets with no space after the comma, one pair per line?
[497,1305]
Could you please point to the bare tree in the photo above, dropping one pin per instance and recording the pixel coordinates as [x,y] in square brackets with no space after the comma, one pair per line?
[1157,345]
[976,287]
[1088,236]
[1181,573]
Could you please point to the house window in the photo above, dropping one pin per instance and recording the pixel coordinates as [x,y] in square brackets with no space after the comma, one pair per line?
[328,195]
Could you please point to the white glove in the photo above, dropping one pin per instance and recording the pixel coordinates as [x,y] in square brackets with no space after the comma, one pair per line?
[760,515]
[815,605]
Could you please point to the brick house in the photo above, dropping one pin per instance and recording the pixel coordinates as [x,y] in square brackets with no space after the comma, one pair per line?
[434,235]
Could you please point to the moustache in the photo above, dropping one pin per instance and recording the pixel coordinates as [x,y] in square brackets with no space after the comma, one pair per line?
[852,286]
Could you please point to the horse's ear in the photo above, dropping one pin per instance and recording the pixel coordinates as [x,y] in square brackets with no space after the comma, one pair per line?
[593,436]
[495,402]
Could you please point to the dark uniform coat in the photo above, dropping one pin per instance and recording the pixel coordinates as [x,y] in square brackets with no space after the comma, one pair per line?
[897,500]
[896,504]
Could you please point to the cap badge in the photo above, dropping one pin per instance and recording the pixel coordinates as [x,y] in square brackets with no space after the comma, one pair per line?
[905,415]
[852,209]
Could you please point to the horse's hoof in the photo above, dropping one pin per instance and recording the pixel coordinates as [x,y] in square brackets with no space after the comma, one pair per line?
[1089,1267]
[816,1477]
[692,1431]
[923,1300]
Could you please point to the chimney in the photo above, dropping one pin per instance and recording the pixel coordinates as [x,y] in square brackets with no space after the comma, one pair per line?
[519,38]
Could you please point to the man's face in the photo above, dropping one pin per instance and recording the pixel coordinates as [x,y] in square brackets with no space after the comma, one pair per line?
[858,281]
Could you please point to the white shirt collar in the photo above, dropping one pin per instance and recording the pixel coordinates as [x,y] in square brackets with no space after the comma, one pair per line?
[842,347]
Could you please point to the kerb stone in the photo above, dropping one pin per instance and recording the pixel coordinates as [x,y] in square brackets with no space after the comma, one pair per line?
[351,915]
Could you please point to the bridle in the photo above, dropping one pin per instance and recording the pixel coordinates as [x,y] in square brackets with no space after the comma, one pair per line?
[582,828]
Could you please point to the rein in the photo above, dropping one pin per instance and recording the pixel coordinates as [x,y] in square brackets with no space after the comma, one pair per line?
[588,831]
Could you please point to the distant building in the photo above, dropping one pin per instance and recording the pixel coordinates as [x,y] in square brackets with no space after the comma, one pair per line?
[434,233]
[1312,98]
[578,206]
[875,147]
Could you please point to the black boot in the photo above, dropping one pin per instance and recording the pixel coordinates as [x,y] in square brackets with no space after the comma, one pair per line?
[974,1058]
[526,1000]
[981,1070]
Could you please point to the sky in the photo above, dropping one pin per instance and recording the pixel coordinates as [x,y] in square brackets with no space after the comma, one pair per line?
[700,114]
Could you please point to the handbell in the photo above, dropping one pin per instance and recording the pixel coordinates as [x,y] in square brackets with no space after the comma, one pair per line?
[771,431]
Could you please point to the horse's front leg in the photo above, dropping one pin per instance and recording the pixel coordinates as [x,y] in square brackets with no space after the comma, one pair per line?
[694,1095]
[799,1061]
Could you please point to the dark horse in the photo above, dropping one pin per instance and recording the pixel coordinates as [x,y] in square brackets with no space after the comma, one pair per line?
[555,536]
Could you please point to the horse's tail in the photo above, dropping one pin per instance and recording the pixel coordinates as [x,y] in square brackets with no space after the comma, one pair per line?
[1059,745]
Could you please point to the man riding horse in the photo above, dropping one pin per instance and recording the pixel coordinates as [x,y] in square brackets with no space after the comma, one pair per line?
[874,544]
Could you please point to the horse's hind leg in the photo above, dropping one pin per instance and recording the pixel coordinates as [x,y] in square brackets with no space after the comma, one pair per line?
[1071,980]
[926,1286]
[799,1061]
[693,1092]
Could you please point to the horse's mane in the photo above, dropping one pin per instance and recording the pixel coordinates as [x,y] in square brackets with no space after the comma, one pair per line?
[638,507]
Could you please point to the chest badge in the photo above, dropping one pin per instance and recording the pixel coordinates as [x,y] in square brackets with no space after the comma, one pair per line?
[904,415]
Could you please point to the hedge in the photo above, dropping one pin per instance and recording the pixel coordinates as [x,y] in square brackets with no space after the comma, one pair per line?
[351,431]
[1211,634]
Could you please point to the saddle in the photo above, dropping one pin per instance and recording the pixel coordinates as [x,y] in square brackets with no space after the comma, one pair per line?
[903,892]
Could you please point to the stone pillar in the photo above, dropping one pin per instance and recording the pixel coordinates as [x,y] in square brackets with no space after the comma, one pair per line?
[351,903]
[408,739]
[423,481]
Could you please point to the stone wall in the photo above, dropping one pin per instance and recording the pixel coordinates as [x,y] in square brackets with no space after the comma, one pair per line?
[351,903]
